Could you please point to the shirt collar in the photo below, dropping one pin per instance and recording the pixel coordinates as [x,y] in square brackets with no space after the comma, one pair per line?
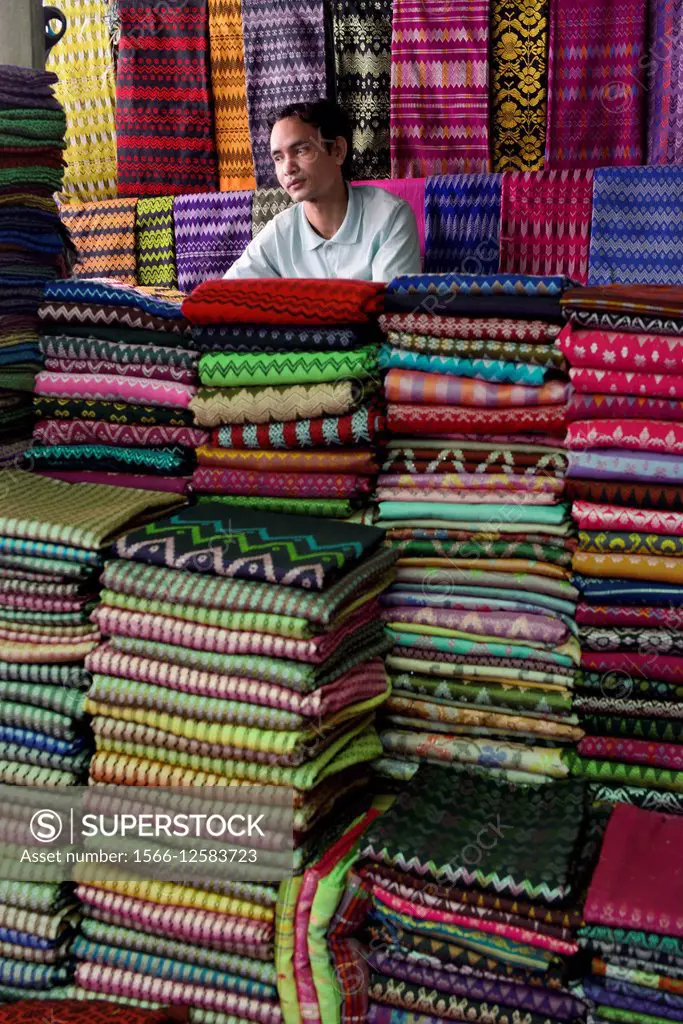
[349,229]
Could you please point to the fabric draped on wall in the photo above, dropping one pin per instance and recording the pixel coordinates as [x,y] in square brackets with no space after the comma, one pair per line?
[665,84]
[267,202]
[462,223]
[285,60]
[86,90]
[439,87]
[104,234]
[596,107]
[155,242]
[519,84]
[212,231]
[362,45]
[233,145]
[163,114]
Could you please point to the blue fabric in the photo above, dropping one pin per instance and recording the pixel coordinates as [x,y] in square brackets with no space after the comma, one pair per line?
[620,591]
[28,976]
[103,293]
[478,284]
[21,353]
[462,223]
[484,369]
[40,741]
[637,227]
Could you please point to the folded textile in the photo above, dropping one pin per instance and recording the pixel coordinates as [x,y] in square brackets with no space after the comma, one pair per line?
[498,371]
[154,241]
[160,302]
[497,329]
[213,407]
[111,388]
[482,348]
[216,480]
[171,459]
[636,435]
[406,386]
[361,426]
[616,464]
[260,338]
[589,515]
[657,568]
[117,413]
[261,370]
[104,234]
[284,301]
[60,432]
[607,407]
[649,385]
[143,481]
[636,303]
[69,346]
[439,419]
[620,350]
[344,461]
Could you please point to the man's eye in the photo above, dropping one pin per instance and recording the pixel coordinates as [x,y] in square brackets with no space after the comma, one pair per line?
[304,150]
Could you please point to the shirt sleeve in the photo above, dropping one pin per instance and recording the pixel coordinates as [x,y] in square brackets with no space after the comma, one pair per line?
[400,252]
[255,261]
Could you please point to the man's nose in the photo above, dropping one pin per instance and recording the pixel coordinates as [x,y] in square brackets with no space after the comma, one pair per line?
[291,164]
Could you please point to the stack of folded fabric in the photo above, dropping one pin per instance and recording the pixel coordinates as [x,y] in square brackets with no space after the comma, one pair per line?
[113,400]
[474,887]
[625,442]
[51,539]
[32,242]
[244,648]
[289,383]
[482,611]
[634,921]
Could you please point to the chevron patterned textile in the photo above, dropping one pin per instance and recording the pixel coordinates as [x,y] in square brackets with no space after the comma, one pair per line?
[285,59]
[233,145]
[637,229]
[155,242]
[211,232]
[104,234]
[439,87]
[362,45]
[163,114]
[596,84]
[665,93]
[284,301]
[519,84]
[86,89]
[267,203]
[413,191]
[545,223]
[462,217]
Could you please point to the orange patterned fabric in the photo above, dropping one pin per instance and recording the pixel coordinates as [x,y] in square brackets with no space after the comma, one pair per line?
[104,234]
[233,143]
[359,461]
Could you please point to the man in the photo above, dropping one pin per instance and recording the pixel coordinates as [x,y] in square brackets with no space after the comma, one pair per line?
[332,230]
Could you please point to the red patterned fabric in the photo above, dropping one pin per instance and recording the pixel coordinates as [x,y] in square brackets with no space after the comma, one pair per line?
[444,419]
[607,407]
[617,350]
[592,516]
[282,300]
[652,496]
[633,435]
[99,431]
[629,615]
[659,755]
[639,666]
[361,426]
[545,221]
[279,485]
[469,327]
[617,382]
[91,1011]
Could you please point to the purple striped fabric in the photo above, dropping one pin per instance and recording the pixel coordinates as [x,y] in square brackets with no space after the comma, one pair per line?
[211,231]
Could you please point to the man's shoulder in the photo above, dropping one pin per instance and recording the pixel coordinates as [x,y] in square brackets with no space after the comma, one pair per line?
[379,200]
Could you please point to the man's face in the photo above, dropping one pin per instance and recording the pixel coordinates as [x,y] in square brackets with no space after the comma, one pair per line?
[304,166]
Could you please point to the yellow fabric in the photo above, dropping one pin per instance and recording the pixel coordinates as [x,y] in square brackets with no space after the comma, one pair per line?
[631,567]
[231,121]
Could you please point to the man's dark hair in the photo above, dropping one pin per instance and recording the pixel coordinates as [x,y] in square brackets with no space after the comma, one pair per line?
[325,115]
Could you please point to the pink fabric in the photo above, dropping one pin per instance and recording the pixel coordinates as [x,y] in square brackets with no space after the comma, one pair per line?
[286,485]
[633,435]
[439,87]
[361,683]
[172,484]
[440,420]
[591,516]
[596,83]
[478,481]
[640,666]
[617,350]
[545,221]
[180,374]
[629,615]
[610,748]
[164,629]
[423,913]
[617,382]
[637,883]
[36,603]
[606,407]
[110,388]
[413,191]
[512,625]
[97,431]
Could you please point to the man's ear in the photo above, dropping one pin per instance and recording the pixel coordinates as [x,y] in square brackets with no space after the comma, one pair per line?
[340,149]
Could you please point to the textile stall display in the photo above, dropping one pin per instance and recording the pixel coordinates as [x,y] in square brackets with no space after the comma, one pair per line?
[32,240]
[112,403]
[482,610]
[475,888]
[243,647]
[52,535]
[632,929]
[289,383]
[625,440]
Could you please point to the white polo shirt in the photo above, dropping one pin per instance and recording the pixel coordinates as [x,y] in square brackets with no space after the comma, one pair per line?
[377,241]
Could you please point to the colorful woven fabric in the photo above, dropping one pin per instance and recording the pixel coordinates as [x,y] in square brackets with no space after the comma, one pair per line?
[228,83]
[155,242]
[280,549]
[256,370]
[279,485]
[621,350]
[362,54]
[596,87]
[439,419]
[88,349]
[120,413]
[361,426]
[162,303]
[211,232]
[104,234]
[282,301]
[462,216]
[497,371]
[605,517]
[215,406]
[268,202]
[86,90]
[664,135]
[285,61]
[545,223]
[113,388]
[77,1011]
[163,115]
[261,339]
[637,435]
[519,84]
[171,459]
[532,331]
[352,461]
[517,352]
[58,432]
[406,386]
[607,407]
[627,383]
[636,235]
[439,94]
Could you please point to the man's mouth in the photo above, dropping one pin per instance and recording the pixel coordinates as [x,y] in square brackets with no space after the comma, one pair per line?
[295,184]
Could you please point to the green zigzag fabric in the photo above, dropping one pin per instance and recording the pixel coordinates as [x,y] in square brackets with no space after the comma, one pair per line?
[155,242]
[230,370]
